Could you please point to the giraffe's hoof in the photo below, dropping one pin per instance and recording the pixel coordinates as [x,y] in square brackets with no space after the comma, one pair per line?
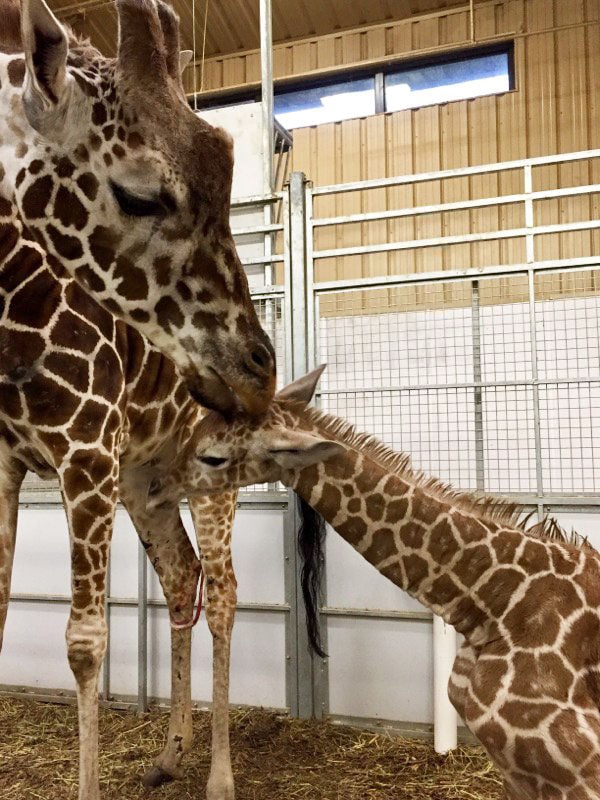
[156,776]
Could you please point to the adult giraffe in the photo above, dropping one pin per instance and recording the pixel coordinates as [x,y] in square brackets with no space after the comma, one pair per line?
[527,679]
[103,163]
[107,176]
[88,399]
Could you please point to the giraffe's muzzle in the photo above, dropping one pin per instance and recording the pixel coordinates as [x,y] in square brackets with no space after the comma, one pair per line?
[237,384]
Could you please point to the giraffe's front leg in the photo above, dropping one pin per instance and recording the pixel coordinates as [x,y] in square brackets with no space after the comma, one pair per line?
[89,489]
[11,477]
[171,554]
[213,519]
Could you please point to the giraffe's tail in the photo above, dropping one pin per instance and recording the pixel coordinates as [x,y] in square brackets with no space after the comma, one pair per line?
[311,542]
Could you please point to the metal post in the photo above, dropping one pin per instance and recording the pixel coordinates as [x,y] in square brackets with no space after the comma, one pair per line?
[320,665]
[530,255]
[266,75]
[142,699]
[301,672]
[477,391]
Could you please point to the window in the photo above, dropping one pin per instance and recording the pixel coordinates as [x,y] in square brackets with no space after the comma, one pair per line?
[460,77]
[441,83]
[319,104]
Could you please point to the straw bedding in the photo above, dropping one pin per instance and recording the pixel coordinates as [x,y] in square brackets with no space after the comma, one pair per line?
[274,758]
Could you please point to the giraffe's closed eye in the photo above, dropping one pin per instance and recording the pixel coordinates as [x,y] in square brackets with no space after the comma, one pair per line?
[135,206]
[212,461]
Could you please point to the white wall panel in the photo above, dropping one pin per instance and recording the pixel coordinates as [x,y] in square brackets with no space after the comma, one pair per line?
[258,556]
[354,583]
[123,651]
[42,561]
[35,632]
[34,652]
[380,669]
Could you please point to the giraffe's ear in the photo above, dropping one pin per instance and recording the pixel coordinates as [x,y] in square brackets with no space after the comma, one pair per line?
[46,47]
[298,449]
[303,388]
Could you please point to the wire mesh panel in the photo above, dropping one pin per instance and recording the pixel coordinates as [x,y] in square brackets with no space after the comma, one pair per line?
[490,383]
[270,311]
[400,364]
[567,317]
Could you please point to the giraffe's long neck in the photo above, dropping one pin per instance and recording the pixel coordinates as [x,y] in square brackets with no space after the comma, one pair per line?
[436,552]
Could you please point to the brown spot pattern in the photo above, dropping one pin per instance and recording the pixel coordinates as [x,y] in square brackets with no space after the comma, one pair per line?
[16,71]
[37,196]
[442,542]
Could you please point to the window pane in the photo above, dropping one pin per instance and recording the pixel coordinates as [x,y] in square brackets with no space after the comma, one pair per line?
[441,83]
[355,98]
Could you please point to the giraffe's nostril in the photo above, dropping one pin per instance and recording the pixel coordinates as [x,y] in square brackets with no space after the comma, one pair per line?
[155,486]
[259,361]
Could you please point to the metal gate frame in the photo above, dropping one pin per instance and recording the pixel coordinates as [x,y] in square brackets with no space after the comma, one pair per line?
[307,294]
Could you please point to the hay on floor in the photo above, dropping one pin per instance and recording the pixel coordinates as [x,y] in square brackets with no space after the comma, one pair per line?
[274,758]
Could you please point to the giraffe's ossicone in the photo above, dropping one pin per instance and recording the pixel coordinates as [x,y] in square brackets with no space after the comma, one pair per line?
[527,679]
[106,171]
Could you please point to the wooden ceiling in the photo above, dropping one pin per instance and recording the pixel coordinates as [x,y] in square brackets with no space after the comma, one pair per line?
[233,25]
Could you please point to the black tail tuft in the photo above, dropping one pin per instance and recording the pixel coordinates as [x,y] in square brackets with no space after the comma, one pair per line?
[311,544]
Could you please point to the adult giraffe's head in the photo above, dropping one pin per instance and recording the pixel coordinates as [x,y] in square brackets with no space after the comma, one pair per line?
[129,191]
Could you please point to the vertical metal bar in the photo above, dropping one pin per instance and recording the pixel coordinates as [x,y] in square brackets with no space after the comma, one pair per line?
[477,392]
[320,665]
[266,76]
[291,625]
[309,273]
[289,529]
[142,702]
[298,320]
[287,284]
[529,237]
[539,478]
[530,255]
[297,274]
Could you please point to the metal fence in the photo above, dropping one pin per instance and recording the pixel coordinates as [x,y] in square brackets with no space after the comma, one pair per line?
[488,376]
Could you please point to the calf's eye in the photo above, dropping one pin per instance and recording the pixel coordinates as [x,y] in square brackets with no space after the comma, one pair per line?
[212,461]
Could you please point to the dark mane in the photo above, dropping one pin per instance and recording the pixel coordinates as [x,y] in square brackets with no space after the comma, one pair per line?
[487,508]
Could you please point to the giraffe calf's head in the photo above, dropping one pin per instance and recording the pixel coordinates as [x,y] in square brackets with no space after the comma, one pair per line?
[128,189]
[224,454]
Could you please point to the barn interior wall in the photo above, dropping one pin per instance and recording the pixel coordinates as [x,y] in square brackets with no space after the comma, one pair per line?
[553,108]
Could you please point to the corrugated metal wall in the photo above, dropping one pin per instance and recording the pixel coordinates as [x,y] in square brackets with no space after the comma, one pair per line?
[553,109]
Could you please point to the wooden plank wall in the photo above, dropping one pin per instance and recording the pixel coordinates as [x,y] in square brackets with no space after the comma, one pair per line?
[555,108]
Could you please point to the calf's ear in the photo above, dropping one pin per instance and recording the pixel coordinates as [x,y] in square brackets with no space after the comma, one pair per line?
[303,388]
[298,449]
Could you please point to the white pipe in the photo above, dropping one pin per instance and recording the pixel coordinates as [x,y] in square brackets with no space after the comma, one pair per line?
[445,719]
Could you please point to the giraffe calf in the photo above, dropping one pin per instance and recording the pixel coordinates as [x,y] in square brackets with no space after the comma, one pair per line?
[527,679]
